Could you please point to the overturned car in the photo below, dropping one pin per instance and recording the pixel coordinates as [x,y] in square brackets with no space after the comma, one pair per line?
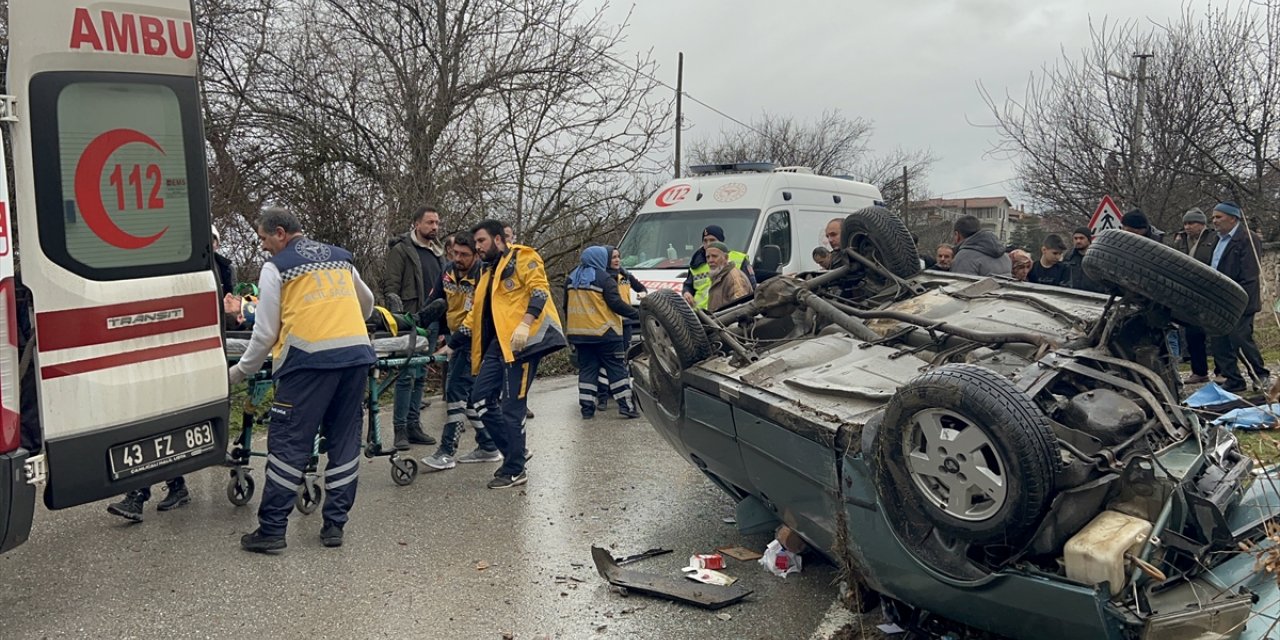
[1008,456]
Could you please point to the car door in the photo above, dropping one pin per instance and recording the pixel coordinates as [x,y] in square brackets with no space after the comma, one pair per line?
[113,216]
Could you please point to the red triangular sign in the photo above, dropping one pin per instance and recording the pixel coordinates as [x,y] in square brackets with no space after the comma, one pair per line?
[1106,216]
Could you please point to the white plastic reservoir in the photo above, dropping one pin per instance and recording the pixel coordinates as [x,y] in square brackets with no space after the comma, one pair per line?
[1096,553]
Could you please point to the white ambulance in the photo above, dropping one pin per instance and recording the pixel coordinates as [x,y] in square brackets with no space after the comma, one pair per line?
[111,205]
[776,216]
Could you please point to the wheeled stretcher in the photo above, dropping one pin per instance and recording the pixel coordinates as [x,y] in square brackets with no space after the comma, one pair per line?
[396,354]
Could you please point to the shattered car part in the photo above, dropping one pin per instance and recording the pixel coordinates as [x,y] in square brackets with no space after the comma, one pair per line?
[943,437]
[673,588]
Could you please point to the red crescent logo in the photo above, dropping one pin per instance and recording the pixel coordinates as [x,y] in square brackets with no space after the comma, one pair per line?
[672,195]
[89,192]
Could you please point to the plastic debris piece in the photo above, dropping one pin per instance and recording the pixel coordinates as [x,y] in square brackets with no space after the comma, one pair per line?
[779,561]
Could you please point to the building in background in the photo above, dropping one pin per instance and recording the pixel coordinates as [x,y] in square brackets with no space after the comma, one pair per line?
[997,213]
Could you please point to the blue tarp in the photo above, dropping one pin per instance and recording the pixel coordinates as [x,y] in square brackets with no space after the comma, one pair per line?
[1209,395]
[1263,417]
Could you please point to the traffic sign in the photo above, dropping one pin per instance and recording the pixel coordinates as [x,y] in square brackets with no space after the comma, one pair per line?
[1106,216]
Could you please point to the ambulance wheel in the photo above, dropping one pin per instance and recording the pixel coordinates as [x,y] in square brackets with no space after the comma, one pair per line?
[403,471]
[310,495]
[240,487]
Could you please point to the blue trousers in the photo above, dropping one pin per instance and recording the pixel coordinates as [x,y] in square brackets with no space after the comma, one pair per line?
[594,357]
[326,400]
[406,407]
[457,396]
[501,397]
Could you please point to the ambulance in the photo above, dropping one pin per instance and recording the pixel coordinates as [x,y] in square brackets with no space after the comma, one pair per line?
[124,362]
[776,215]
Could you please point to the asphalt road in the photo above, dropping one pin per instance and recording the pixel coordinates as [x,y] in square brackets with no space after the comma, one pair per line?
[442,558]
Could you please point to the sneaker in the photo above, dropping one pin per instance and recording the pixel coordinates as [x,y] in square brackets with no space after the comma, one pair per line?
[587,415]
[1235,387]
[1263,385]
[331,535]
[626,410]
[418,436]
[528,455]
[258,543]
[440,461]
[602,402]
[506,482]
[480,455]
[174,499]
[1196,379]
[130,508]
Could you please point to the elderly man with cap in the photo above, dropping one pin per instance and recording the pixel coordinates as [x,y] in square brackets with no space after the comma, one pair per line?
[697,286]
[1236,256]
[1136,222]
[1193,241]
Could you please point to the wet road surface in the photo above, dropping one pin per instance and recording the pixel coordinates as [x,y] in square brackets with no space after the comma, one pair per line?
[409,568]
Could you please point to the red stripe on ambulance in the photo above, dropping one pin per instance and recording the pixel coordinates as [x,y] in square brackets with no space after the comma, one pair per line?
[129,357]
[132,33]
[115,322]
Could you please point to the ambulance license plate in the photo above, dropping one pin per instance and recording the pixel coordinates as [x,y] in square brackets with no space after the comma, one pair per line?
[151,453]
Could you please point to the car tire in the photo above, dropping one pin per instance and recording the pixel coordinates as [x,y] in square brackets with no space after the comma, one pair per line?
[877,233]
[1195,293]
[674,339]
[989,441]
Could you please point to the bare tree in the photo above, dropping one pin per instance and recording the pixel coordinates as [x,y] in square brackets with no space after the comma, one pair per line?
[833,144]
[1209,124]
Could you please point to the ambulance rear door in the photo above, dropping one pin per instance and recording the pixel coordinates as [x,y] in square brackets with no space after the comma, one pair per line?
[113,221]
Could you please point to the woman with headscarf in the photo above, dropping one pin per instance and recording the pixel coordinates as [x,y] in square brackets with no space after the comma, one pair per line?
[728,283]
[1021,264]
[594,312]
[627,284]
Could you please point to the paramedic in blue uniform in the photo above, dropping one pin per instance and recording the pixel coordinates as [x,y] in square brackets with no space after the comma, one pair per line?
[511,326]
[311,320]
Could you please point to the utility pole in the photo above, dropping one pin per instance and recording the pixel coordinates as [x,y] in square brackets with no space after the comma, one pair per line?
[679,110]
[1138,120]
[906,200]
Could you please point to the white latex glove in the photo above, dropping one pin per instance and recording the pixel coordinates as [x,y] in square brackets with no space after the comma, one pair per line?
[444,351]
[520,337]
[235,375]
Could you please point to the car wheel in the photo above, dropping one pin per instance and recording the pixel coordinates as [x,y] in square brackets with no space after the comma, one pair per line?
[1194,292]
[966,451]
[674,339]
[877,233]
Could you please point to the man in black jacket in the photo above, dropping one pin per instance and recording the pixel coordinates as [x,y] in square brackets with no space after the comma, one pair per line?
[412,278]
[1236,257]
[1081,238]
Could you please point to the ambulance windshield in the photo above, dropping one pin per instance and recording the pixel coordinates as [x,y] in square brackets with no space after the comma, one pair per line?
[666,240]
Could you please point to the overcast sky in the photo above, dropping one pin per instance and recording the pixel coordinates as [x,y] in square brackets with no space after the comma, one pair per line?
[910,66]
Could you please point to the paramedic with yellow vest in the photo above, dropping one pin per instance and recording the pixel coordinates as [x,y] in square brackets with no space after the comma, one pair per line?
[511,326]
[459,282]
[593,324]
[697,286]
[310,318]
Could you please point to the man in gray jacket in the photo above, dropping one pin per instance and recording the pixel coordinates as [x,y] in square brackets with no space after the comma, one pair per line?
[978,251]
[411,278]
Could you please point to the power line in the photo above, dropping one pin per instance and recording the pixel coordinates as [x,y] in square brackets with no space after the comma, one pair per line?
[981,186]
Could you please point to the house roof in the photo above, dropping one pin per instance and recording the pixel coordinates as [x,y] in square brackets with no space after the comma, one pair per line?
[963,203]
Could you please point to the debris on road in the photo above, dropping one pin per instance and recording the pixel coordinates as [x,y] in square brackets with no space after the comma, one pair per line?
[643,555]
[708,576]
[482,565]
[679,589]
[779,561]
[724,616]
[741,554]
[706,561]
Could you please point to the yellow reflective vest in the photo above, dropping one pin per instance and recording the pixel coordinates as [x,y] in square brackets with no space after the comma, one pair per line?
[701,276]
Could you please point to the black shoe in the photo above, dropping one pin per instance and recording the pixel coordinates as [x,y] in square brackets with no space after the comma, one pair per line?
[1235,387]
[401,442]
[258,543]
[602,402]
[174,499]
[418,436]
[506,482]
[626,410]
[528,414]
[331,535]
[587,415]
[130,508]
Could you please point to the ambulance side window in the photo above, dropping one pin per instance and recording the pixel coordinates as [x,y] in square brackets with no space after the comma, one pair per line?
[120,190]
[775,245]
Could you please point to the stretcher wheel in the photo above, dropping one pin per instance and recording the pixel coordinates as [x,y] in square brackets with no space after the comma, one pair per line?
[310,495]
[240,487]
[403,471]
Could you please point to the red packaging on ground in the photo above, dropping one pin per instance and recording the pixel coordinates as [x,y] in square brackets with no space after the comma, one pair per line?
[707,561]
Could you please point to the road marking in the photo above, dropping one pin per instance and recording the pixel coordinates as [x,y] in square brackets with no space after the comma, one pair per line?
[836,618]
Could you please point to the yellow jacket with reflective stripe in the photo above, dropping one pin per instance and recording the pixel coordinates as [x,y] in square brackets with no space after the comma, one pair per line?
[510,285]
[459,291]
[594,312]
[321,323]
